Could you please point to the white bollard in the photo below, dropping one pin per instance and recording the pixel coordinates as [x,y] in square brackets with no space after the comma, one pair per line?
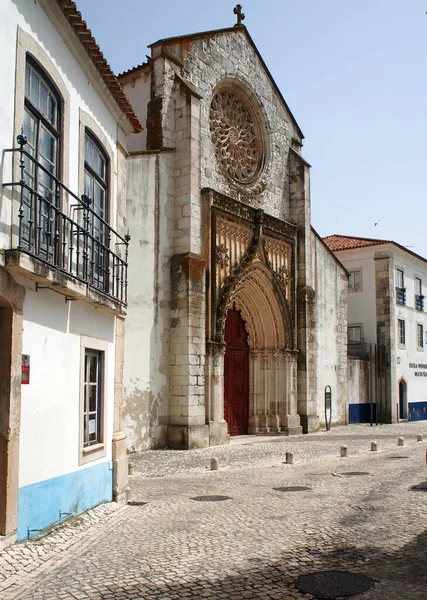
[401,441]
[420,437]
[343,451]
[214,464]
[374,446]
[289,458]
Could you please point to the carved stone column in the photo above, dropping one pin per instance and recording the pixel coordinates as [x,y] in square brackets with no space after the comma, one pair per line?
[214,374]
[254,392]
[291,423]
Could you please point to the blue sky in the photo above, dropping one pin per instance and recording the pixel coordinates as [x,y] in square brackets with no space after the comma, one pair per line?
[354,75]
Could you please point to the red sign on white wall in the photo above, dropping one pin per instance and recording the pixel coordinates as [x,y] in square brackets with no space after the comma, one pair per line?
[25,369]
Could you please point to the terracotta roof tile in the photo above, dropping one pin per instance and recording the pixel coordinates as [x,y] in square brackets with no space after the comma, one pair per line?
[132,69]
[345,242]
[94,52]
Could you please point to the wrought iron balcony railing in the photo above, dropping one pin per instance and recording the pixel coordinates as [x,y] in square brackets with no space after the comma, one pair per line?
[358,350]
[80,243]
[419,302]
[401,295]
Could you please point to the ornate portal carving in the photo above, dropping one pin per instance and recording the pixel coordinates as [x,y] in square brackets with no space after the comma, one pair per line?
[222,255]
[236,136]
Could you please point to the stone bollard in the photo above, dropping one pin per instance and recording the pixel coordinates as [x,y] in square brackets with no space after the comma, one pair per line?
[289,458]
[374,446]
[401,441]
[420,437]
[131,469]
[343,451]
[214,464]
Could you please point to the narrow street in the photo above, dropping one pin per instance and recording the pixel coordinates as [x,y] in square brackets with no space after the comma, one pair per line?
[280,521]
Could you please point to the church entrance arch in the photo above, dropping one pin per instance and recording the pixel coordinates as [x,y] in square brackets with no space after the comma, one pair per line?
[259,360]
[236,374]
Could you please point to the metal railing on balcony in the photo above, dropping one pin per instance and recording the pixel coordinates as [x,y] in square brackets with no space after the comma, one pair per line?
[419,302]
[358,350]
[81,243]
[401,295]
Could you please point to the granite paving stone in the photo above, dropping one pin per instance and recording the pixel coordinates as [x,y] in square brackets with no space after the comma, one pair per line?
[254,545]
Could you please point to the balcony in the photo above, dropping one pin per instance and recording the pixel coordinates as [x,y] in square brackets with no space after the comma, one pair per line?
[358,350]
[401,295]
[60,242]
[419,303]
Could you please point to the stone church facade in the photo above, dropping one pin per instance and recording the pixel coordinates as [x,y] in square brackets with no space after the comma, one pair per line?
[237,310]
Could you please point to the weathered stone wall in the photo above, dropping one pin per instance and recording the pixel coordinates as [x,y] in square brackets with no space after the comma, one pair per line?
[207,62]
[146,373]
[185,75]
[331,332]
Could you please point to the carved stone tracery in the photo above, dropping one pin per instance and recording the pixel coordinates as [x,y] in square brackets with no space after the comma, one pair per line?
[236,135]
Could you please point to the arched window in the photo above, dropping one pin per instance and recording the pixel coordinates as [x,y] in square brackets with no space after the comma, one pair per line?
[96,188]
[42,117]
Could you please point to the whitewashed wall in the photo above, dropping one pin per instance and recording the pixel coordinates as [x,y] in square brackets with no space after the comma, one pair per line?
[30,17]
[150,220]
[50,412]
[331,332]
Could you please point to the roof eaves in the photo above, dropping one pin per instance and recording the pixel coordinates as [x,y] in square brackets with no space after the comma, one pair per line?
[133,70]
[84,34]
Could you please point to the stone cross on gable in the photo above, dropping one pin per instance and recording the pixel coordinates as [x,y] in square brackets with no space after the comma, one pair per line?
[240,16]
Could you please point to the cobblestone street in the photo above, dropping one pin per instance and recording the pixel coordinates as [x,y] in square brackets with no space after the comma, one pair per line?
[165,545]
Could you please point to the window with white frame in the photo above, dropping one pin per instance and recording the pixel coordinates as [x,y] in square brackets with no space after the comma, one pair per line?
[96,188]
[400,287]
[354,334]
[92,411]
[401,332]
[93,398]
[419,298]
[41,127]
[420,336]
[354,281]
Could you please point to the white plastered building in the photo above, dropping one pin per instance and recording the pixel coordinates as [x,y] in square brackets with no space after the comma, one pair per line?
[63,269]
[386,308]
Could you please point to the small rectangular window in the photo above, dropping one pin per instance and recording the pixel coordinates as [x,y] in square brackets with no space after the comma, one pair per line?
[354,334]
[400,287]
[401,332]
[93,374]
[354,280]
[419,298]
[420,336]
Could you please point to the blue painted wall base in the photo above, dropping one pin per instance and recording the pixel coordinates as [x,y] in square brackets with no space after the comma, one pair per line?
[39,504]
[417,411]
[361,413]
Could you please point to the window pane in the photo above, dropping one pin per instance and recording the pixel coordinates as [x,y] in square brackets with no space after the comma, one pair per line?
[43,98]
[354,280]
[34,88]
[418,286]
[92,394]
[400,281]
[93,368]
[354,334]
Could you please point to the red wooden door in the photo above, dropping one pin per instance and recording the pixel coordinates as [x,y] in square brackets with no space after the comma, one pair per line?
[236,374]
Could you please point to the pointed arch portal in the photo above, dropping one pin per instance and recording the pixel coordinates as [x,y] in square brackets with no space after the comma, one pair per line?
[259,362]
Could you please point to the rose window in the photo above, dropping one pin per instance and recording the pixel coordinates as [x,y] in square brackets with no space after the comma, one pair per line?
[236,136]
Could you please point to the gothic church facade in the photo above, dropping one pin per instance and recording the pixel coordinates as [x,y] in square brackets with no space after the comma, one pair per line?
[237,310]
